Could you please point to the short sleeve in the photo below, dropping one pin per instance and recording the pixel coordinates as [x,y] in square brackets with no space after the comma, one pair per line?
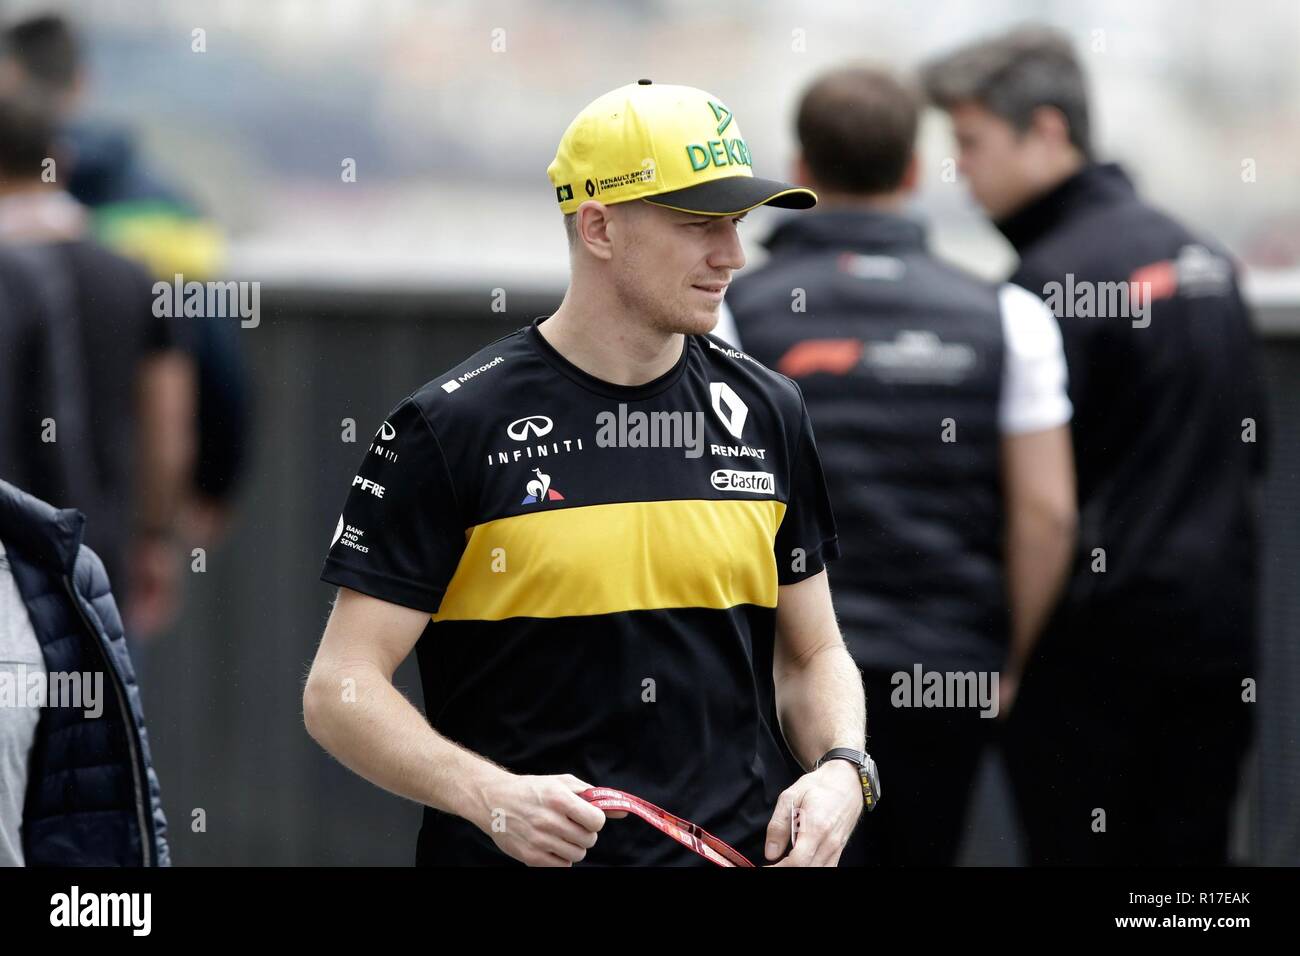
[400,535]
[1034,394]
[161,333]
[157,328]
[806,539]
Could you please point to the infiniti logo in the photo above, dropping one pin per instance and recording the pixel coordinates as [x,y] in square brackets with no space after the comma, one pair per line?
[532,427]
[387,432]
[535,425]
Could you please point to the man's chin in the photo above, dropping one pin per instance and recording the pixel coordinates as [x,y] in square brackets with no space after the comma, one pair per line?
[689,320]
[700,321]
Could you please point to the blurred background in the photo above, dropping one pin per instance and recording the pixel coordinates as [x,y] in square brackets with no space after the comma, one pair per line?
[380,169]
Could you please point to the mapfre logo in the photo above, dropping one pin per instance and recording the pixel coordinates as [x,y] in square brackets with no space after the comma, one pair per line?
[735,412]
[534,426]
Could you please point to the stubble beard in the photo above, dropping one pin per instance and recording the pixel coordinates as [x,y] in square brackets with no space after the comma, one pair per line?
[659,310]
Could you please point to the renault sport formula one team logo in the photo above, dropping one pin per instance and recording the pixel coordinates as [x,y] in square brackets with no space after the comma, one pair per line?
[539,489]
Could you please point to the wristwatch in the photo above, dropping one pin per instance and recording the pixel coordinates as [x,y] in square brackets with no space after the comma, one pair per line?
[867,772]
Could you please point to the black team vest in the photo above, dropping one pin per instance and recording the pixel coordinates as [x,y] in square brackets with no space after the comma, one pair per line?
[900,359]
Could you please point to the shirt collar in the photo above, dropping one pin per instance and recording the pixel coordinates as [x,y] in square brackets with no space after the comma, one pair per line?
[44,534]
[865,230]
[1094,184]
[41,215]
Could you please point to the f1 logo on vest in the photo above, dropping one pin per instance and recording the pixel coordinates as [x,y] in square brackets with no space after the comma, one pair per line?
[737,410]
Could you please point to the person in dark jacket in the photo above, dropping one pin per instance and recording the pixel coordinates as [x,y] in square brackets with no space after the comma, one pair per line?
[108,395]
[1133,720]
[139,213]
[77,784]
[940,407]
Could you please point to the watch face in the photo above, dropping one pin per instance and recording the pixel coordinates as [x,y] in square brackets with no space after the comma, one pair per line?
[871,781]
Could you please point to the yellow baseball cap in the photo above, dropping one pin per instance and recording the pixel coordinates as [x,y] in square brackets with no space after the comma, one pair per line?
[676,144]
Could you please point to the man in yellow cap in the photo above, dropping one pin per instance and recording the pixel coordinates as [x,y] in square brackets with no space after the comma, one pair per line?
[605,535]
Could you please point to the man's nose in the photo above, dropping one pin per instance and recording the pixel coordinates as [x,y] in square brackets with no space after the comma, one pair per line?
[728,253]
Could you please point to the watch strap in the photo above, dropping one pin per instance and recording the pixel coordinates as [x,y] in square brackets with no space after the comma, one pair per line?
[868,775]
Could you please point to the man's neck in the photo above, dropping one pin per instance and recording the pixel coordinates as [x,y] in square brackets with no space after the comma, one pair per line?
[1068,166]
[25,187]
[892,202]
[34,211]
[598,335]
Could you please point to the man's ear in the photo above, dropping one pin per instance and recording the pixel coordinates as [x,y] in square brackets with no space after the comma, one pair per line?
[799,174]
[1050,124]
[593,229]
[11,75]
[911,174]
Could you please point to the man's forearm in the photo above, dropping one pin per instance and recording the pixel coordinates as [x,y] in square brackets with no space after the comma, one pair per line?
[166,438]
[357,715]
[820,703]
[1038,556]
[1041,525]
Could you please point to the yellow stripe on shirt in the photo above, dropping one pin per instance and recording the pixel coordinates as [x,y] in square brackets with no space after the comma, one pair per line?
[603,559]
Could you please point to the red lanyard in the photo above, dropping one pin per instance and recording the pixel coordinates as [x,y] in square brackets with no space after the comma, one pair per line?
[690,835]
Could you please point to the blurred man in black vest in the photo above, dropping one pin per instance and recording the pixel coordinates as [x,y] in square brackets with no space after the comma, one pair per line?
[940,407]
[1130,730]
[100,389]
[138,212]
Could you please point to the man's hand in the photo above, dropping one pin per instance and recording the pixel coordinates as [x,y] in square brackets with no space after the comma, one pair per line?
[540,821]
[154,578]
[1008,687]
[827,803]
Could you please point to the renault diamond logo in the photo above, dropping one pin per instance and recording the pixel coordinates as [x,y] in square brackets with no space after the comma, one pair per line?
[535,425]
[734,417]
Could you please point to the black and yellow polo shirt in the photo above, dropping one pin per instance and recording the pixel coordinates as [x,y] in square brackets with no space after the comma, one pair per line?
[600,565]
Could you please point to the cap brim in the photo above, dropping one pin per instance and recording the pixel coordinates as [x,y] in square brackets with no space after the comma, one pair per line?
[732,195]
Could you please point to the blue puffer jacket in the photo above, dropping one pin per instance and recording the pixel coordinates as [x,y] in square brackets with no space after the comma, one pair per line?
[92,794]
